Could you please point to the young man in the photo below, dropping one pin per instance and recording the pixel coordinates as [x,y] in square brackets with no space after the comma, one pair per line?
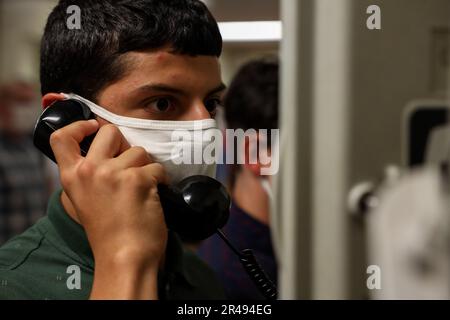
[251,103]
[142,60]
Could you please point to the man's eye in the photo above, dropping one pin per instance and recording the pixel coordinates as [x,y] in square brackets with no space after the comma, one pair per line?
[212,104]
[160,105]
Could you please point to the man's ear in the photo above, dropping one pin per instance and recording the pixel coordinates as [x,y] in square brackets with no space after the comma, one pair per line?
[254,168]
[49,98]
[252,146]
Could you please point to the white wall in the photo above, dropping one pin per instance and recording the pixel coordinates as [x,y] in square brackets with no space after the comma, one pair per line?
[390,67]
[348,131]
[236,55]
[21,25]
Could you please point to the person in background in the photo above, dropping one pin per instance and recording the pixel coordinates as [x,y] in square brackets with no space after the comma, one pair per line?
[24,184]
[251,103]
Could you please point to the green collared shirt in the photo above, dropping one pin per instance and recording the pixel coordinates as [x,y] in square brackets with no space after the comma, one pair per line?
[53,260]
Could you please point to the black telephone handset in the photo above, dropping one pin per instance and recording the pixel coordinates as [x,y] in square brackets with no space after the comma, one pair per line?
[196,208]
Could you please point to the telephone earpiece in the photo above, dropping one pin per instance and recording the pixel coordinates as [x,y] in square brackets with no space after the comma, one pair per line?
[56,116]
[195,208]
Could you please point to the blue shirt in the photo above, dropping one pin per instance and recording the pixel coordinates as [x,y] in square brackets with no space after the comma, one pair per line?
[244,232]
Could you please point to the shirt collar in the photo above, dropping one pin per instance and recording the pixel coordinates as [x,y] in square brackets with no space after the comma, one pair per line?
[74,236]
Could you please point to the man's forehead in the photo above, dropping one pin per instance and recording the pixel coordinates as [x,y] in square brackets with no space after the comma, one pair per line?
[165,58]
[147,72]
[171,69]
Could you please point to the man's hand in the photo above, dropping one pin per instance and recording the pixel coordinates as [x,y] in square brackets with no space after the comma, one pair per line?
[114,193]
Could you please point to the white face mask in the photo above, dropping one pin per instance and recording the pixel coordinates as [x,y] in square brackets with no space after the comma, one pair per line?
[156,138]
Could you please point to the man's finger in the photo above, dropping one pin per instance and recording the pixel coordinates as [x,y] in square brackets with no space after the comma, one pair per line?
[65,142]
[133,157]
[108,143]
[154,171]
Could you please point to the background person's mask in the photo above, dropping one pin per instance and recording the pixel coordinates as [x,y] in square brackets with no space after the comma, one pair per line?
[155,137]
[265,184]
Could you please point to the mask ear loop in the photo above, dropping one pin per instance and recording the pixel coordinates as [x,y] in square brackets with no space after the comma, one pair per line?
[96,109]
[267,188]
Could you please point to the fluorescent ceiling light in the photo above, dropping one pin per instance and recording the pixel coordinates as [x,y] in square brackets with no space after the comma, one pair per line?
[251,31]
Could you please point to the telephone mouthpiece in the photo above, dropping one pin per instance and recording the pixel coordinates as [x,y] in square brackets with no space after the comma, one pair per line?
[196,207]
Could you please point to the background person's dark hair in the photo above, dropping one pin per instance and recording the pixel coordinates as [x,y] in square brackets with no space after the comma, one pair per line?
[252,100]
[84,61]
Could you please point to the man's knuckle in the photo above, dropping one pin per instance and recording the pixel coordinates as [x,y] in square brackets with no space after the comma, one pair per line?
[105,173]
[141,154]
[86,169]
[158,167]
[134,177]
[140,151]
[56,137]
[110,129]
[66,179]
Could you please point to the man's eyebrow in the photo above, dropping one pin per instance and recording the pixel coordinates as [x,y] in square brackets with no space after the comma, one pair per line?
[218,89]
[159,87]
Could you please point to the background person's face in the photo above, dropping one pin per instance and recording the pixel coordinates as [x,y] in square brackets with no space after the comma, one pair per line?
[160,85]
[18,108]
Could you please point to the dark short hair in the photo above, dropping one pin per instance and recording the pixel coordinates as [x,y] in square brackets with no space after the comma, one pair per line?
[252,102]
[86,60]
[252,98]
